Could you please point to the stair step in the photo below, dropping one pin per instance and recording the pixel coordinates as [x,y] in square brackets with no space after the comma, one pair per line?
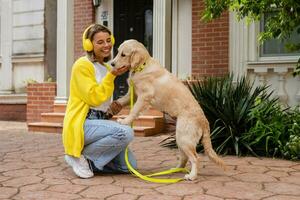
[56,117]
[151,111]
[59,108]
[144,131]
[144,120]
[50,127]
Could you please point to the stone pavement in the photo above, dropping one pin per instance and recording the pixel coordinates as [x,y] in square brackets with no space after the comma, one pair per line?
[32,167]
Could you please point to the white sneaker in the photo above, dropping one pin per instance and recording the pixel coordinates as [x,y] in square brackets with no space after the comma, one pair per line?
[80,166]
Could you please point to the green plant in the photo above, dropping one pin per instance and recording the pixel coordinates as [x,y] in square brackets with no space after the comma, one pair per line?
[276,131]
[291,150]
[268,131]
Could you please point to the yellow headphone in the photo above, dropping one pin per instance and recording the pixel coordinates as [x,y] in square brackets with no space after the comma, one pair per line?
[87,43]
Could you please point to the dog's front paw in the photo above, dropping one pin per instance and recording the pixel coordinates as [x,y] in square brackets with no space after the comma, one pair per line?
[124,121]
[189,177]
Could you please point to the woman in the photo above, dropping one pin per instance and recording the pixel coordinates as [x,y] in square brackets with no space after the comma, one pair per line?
[92,142]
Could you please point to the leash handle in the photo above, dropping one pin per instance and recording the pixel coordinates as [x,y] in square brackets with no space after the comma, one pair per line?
[148,177]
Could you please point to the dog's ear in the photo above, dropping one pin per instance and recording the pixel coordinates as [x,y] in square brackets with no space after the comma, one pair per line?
[136,58]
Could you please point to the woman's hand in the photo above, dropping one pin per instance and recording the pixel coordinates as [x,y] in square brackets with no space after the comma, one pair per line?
[114,108]
[119,71]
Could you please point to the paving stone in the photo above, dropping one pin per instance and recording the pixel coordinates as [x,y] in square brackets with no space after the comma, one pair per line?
[254,177]
[33,187]
[252,168]
[102,191]
[10,166]
[273,162]
[67,188]
[41,165]
[49,195]
[277,174]
[96,180]
[59,174]
[219,178]
[209,184]
[295,179]
[32,167]
[129,180]
[239,190]
[6,192]
[140,191]
[232,160]
[21,181]
[283,169]
[55,181]
[283,188]
[180,189]
[296,167]
[201,197]
[4,178]
[22,172]
[283,197]
[123,197]
[160,197]
[217,171]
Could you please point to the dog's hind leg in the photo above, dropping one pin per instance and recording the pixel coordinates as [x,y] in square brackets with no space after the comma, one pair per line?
[182,159]
[192,156]
[187,139]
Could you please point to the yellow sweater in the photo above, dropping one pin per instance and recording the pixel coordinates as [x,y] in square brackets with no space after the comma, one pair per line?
[85,92]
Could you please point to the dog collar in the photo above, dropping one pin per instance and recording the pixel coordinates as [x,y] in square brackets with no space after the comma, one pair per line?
[139,68]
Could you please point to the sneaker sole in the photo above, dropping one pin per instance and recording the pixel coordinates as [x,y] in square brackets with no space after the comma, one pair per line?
[78,172]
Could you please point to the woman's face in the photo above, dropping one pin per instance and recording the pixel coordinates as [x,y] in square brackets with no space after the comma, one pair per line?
[102,45]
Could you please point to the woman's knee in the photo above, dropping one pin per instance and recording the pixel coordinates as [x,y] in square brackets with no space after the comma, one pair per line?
[125,134]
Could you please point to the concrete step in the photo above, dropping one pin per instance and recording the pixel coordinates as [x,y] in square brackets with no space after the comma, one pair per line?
[144,120]
[151,111]
[51,127]
[59,108]
[56,117]
[48,127]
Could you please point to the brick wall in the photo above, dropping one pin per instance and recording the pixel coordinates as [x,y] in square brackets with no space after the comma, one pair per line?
[13,112]
[40,99]
[210,43]
[84,15]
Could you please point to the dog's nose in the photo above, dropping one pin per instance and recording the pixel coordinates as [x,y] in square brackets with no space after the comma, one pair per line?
[112,64]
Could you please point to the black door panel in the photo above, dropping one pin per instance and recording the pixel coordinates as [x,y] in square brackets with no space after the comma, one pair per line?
[129,23]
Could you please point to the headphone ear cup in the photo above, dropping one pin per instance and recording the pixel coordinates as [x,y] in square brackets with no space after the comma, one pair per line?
[87,45]
[112,39]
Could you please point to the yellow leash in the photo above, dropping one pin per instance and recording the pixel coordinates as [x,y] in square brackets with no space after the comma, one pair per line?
[149,177]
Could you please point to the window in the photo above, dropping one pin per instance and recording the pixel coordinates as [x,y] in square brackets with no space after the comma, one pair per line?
[276,47]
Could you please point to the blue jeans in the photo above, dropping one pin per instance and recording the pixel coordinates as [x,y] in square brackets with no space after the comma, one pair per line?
[105,142]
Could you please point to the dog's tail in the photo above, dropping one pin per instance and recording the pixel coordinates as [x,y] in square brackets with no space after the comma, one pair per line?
[206,142]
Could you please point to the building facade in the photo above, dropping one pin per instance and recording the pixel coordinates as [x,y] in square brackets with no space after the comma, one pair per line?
[41,39]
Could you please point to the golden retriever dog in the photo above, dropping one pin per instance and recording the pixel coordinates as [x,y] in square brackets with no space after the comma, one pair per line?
[155,87]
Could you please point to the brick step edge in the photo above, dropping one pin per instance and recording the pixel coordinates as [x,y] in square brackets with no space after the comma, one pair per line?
[57,128]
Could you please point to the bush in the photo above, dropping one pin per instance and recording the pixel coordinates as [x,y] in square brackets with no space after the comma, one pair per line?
[276,131]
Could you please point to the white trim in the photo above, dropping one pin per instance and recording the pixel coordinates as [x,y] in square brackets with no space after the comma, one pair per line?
[182,38]
[65,47]
[162,31]
[174,37]
[6,72]
[28,58]
[13,99]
